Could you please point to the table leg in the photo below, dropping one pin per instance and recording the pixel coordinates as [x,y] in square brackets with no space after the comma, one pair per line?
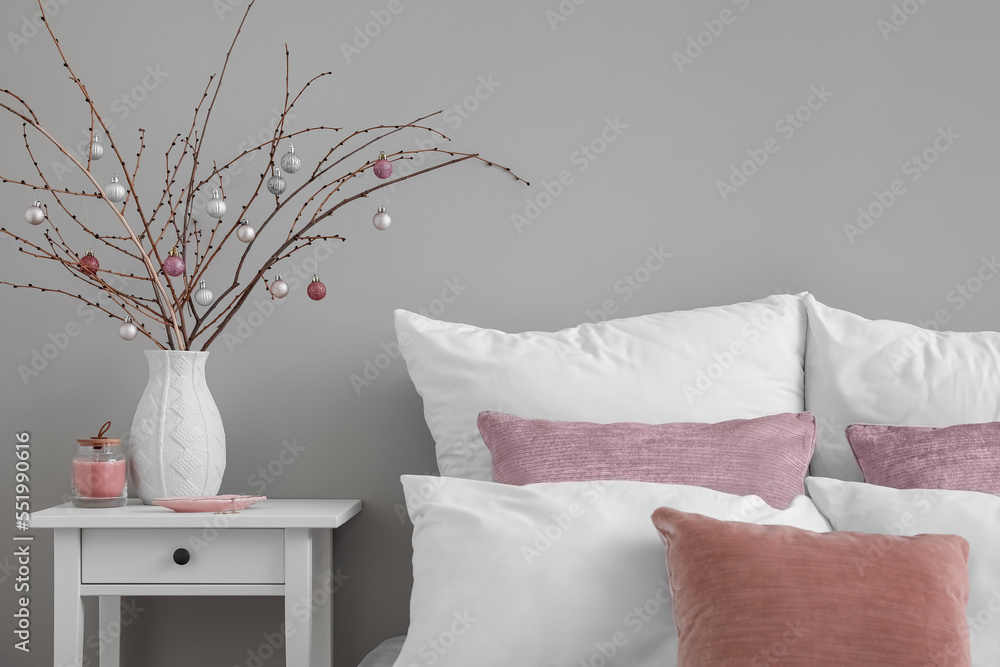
[68,605]
[308,604]
[322,597]
[110,629]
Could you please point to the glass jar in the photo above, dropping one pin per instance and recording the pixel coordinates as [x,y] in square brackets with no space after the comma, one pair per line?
[99,472]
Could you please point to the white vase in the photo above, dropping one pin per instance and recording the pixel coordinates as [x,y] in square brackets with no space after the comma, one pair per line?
[177,446]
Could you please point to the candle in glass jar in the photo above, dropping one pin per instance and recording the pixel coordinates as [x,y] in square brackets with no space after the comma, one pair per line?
[98,472]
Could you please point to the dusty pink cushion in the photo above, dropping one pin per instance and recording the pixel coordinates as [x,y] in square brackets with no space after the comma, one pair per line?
[766,456]
[965,457]
[745,594]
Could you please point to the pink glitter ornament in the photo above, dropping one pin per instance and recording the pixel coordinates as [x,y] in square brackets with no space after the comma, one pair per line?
[173,265]
[316,289]
[382,167]
[89,263]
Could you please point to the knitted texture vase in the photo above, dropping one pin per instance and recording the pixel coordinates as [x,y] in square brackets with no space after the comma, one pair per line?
[178,445]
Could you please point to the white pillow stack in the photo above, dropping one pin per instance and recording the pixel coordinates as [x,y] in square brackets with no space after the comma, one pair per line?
[705,365]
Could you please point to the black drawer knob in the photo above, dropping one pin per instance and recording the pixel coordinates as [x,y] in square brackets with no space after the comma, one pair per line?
[182,556]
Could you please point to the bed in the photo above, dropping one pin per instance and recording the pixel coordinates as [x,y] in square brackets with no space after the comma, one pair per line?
[775,481]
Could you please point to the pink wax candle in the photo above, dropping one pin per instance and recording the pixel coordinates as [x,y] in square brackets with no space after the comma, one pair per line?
[99,472]
[99,479]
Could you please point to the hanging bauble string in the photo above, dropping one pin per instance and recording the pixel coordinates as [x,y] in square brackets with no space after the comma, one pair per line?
[115,191]
[127,330]
[276,184]
[173,265]
[279,288]
[204,295]
[244,232]
[382,167]
[216,206]
[290,162]
[96,149]
[89,263]
[35,215]
[381,219]
[316,289]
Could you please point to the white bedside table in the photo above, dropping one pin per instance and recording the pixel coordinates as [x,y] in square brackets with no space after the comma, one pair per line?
[276,547]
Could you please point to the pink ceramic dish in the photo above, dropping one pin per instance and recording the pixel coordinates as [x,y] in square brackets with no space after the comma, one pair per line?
[221,503]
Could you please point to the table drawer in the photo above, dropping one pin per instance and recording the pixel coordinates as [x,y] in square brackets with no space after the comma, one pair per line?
[154,556]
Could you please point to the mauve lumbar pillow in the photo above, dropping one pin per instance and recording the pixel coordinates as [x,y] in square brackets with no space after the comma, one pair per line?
[766,456]
[964,457]
[758,595]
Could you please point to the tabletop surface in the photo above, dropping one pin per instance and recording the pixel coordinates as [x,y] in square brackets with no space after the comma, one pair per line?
[270,513]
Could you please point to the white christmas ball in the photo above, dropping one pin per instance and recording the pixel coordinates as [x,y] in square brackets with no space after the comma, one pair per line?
[216,206]
[276,184]
[204,295]
[35,215]
[127,330]
[96,149]
[115,191]
[381,220]
[245,232]
[290,162]
[279,288]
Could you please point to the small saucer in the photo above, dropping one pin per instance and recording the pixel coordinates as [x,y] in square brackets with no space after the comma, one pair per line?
[224,503]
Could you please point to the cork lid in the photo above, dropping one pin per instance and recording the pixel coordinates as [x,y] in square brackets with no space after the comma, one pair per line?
[100,441]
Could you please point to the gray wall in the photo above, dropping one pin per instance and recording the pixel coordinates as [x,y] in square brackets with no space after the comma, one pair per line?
[556,86]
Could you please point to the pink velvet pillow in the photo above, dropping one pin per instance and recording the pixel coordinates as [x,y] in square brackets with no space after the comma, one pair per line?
[766,456]
[965,457]
[745,594]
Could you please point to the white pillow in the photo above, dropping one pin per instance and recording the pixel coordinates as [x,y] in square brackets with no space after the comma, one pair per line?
[552,574]
[975,516]
[704,365]
[885,372]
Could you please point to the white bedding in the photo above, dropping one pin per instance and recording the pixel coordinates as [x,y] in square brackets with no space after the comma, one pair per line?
[385,654]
